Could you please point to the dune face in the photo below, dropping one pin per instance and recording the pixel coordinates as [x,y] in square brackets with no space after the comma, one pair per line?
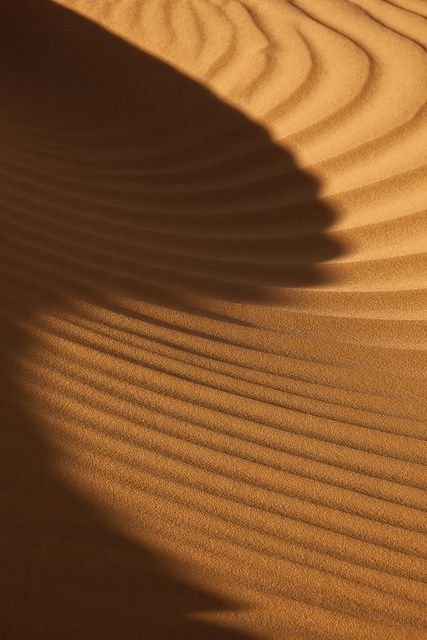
[211,306]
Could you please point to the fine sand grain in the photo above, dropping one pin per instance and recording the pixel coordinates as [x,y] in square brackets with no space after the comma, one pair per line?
[212,336]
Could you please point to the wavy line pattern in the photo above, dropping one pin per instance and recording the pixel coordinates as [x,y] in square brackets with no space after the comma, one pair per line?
[213,306]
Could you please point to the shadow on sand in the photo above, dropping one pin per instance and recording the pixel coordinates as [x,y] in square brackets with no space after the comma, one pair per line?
[118,173]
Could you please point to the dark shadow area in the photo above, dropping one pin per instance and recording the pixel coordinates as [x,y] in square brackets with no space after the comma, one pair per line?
[119,174]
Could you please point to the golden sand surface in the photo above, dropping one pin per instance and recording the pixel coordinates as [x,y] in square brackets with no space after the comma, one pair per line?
[213,319]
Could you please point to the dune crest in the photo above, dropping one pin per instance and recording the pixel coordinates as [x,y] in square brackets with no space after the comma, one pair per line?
[213,335]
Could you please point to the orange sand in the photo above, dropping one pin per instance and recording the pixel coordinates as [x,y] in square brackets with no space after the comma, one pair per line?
[212,319]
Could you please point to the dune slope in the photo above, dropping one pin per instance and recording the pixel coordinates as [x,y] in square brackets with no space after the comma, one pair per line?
[213,319]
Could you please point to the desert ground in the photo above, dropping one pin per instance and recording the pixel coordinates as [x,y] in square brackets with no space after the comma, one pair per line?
[213,319]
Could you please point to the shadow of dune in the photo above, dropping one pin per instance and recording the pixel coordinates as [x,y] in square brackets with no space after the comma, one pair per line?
[119,174]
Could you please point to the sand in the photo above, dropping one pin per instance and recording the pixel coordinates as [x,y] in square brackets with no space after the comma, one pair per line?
[212,314]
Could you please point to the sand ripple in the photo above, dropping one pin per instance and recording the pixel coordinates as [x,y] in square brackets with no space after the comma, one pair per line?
[213,309]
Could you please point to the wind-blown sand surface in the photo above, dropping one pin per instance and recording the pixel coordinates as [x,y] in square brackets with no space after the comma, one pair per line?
[212,319]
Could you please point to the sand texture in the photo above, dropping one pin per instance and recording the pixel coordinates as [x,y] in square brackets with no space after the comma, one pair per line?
[213,319]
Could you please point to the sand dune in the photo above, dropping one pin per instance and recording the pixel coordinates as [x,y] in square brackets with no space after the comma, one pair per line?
[213,335]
